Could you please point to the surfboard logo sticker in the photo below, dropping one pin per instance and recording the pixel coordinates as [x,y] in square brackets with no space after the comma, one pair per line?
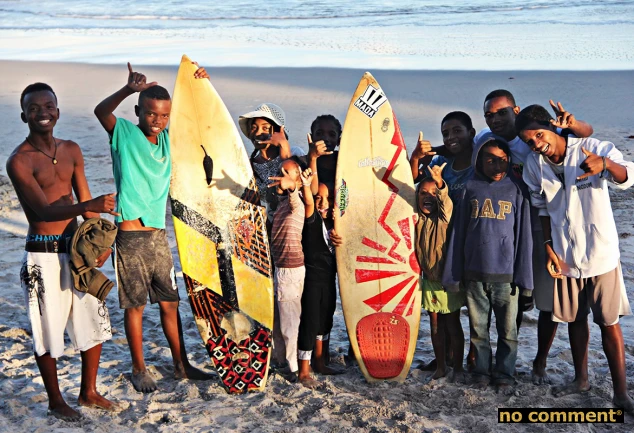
[343,197]
[386,124]
[370,101]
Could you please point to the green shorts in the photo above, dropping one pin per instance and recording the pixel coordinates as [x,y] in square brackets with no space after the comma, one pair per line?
[437,300]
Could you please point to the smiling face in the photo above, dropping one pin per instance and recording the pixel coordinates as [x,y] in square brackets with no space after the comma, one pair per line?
[427,201]
[327,131]
[495,162]
[154,115]
[456,136]
[542,139]
[499,114]
[324,201]
[39,111]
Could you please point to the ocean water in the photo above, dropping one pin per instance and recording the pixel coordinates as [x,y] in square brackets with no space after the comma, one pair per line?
[425,34]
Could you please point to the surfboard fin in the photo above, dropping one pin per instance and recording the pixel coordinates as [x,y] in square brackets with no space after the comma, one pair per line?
[208,165]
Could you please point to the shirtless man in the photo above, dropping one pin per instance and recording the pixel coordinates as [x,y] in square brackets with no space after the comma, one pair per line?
[45,171]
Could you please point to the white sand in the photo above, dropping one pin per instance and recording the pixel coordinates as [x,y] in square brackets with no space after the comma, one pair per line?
[343,403]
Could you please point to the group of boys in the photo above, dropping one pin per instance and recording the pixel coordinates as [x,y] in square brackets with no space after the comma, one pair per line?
[46,171]
[571,258]
[498,248]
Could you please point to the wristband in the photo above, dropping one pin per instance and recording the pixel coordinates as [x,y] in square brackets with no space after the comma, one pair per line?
[604,168]
[305,184]
[549,241]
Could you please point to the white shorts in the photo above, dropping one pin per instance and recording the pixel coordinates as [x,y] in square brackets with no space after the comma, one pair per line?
[53,305]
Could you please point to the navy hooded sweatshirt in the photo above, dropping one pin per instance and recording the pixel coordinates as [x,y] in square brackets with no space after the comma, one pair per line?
[491,240]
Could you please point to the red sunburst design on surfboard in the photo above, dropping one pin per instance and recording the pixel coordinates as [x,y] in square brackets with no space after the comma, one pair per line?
[408,281]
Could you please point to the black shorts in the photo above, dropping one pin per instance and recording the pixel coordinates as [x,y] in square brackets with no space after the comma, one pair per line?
[319,301]
[144,266]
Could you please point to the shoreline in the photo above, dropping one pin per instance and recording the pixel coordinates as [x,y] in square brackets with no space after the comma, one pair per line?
[477,46]
[325,68]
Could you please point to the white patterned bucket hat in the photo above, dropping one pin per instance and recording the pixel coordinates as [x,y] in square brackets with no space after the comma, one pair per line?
[268,111]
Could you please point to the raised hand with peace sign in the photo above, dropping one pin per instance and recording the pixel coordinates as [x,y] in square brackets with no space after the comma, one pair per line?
[563,119]
[566,120]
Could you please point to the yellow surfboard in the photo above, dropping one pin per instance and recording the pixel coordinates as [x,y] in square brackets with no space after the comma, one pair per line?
[375,215]
[221,234]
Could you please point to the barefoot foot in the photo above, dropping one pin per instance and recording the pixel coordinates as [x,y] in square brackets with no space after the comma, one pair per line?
[480,382]
[64,412]
[574,387]
[539,375]
[308,381]
[192,373]
[457,376]
[98,401]
[624,403]
[540,378]
[431,366]
[143,382]
[504,389]
[290,376]
[440,372]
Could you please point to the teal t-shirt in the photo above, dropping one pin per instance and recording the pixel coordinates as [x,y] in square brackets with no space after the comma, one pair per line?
[141,173]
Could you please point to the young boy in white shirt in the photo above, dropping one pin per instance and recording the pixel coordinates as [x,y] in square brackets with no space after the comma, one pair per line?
[568,182]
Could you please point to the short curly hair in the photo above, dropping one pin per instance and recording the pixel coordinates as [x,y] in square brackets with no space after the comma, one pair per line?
[36,87]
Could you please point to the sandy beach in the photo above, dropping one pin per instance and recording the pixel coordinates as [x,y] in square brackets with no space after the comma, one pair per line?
[343,403]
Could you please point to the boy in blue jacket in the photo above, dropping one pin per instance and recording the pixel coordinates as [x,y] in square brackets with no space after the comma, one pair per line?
[490,252]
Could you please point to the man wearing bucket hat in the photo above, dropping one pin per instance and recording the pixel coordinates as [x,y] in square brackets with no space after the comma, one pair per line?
[266,128]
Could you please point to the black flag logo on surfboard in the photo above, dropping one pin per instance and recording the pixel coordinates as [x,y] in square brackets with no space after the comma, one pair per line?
[370,101]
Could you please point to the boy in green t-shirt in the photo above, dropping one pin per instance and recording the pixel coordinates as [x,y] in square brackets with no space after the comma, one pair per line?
[142,167]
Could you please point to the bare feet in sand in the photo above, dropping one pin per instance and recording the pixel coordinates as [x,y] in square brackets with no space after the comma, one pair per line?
[457,376]
[97,401]
[540,378]
[440,372]
[504,388]
[190,372]
[624,403]
[308,381]
[539,375]
[64,412]
[480,382]
[431,366]
[574,387]
[143,382]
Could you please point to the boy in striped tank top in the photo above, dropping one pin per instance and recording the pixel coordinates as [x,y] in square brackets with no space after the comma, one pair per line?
[288,258]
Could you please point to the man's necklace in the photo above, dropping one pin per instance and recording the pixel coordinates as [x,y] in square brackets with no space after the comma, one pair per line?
[53,159]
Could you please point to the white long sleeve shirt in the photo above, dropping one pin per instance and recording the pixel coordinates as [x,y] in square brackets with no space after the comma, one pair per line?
[582,224]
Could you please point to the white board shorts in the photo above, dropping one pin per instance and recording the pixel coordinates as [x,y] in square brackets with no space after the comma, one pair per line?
[53,305]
